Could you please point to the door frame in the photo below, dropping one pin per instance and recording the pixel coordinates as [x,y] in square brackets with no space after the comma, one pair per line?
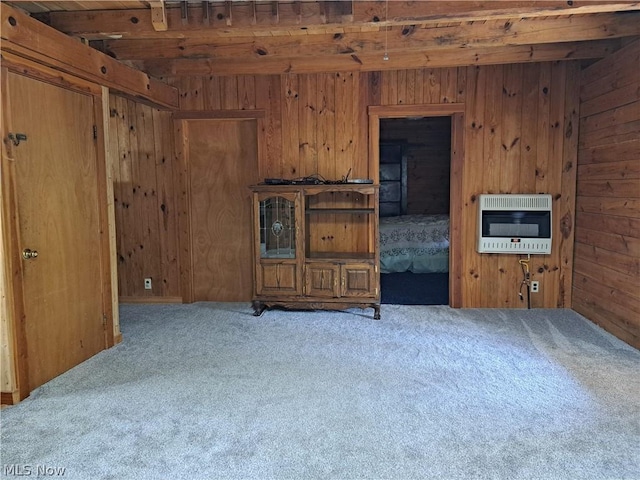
[456,112]
[11,277]
[181,120]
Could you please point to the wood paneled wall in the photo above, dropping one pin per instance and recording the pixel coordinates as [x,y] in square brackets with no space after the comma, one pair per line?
[142,151]
[521,124]
[521,137]
[314,123]
[607,250]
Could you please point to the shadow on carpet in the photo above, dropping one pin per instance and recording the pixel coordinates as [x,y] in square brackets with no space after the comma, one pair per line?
[408,288]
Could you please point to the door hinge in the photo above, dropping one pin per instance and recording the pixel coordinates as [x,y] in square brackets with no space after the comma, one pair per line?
[95,132]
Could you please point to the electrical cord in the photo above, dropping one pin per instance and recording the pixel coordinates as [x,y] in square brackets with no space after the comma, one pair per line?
[526,280]
[317,179]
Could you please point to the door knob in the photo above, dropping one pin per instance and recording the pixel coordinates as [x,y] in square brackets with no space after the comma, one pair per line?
[27,253]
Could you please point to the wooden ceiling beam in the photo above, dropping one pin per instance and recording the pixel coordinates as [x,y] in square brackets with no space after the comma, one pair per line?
[463,11]
[402,39]
[158,15]
[49,5]
[31,39]
[269,18]
[452,57]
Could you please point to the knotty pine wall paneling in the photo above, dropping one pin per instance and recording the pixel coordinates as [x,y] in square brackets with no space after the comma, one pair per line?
[520,136]
[606,286]
[313,124]
[499,140]
[268,98]
[144,200]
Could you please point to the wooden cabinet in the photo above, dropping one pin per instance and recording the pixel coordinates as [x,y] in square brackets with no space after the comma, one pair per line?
[316,246]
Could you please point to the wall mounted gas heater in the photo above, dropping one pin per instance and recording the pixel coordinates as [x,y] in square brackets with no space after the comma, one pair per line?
[514,223]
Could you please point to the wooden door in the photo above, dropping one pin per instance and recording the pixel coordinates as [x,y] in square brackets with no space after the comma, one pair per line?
[56,192]
[222,163]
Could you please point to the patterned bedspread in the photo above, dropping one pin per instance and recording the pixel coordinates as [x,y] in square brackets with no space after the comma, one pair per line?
[415,243]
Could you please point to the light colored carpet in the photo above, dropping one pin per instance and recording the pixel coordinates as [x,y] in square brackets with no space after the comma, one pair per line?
[209,391]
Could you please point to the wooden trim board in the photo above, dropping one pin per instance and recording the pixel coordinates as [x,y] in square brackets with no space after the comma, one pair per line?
[456,112]
[27,37]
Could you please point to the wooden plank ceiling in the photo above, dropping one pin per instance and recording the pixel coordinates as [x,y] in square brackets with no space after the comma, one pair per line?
[173,38]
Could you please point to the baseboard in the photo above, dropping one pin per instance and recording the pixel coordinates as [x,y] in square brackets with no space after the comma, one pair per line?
[605,323]
[150,299]
[9,398]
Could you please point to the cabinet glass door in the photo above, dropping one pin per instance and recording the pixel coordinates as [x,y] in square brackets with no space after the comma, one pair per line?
[277,228]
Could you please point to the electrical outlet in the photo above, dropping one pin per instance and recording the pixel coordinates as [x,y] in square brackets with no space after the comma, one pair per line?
[147,284]
[535,287]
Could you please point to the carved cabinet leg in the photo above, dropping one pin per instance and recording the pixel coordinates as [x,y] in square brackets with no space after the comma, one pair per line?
[258,308]
[376,312]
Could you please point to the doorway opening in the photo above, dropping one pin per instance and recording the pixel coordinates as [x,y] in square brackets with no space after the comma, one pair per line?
[415,168]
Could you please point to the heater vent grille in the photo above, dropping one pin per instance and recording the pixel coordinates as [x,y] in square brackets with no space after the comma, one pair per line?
[516,245]
[515,202]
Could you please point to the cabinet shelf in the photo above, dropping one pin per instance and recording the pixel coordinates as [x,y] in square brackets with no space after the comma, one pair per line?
[339,210]
[340,256]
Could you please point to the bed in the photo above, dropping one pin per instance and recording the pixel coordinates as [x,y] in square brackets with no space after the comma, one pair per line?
[414,243]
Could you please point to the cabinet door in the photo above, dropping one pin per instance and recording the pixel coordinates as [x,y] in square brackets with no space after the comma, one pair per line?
[277,225]
[277,279]
[321,280]
[358,280]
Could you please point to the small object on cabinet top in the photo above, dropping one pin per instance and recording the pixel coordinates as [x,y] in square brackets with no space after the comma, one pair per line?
[315,180]
[277,181]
